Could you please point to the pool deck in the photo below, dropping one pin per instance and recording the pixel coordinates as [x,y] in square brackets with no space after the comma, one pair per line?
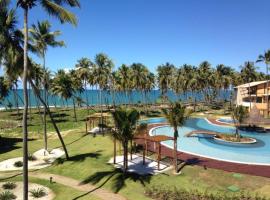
[256,170]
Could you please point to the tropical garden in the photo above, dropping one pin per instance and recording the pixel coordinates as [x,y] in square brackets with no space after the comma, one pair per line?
[26,129]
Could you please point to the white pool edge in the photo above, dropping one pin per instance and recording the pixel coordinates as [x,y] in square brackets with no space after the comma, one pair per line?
[203,156]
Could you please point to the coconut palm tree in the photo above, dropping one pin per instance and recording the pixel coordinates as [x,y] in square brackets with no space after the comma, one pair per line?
[83,69]
[4,88]
[41,38]
[102,72]
[248,74]
[53,8]
[239,113]
[266,59]
[176,115]
[165,78]
[125,74]
[125,125]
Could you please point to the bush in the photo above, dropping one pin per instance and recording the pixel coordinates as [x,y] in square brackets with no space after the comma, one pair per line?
[164,193]
[7,195]
[32,158]
[18,164]
[9,186]
[38,193]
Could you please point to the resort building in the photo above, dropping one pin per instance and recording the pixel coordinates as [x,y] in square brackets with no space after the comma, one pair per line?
[253,94]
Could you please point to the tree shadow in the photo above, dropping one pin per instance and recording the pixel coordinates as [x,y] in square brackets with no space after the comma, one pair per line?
[10,144]
[117,177]
[79,157]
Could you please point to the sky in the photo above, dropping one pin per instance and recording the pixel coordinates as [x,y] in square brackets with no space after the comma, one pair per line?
[154,32]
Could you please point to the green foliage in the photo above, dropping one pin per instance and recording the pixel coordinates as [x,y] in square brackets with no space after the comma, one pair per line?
[38,193]
[9,186]
[164,193]
[18,164]
[239,113]
[7,195]
[176,116]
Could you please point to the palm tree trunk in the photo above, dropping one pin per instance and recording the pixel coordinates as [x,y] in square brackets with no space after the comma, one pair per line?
[86,96]
[175,155]
[74,110]
[267,91]
[25,111]
[16,100]
[51,117]
[44,110]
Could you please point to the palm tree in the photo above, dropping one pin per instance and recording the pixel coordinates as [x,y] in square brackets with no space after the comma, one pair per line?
[55,9]
[125,124]
[266,59]
[4,88]
[204,72]
[176,115]
[41,38]
[164,78]
[125,74]
[239,113]
[83,73]
[248,74]
[102,71]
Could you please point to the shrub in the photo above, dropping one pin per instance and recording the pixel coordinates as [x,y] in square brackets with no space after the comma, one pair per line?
[18,164]
[38,193]
[32,158]
[164,193]
[9,186]
[7,195]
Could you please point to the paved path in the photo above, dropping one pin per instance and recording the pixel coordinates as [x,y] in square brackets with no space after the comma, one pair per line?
[87,188]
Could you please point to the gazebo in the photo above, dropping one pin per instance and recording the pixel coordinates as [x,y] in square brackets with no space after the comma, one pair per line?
[95,119]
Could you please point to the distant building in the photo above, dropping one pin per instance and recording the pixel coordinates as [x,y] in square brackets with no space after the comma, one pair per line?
[253,93]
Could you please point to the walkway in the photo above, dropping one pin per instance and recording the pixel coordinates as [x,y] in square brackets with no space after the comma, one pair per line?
[201,132]
[257,170]
[87,188]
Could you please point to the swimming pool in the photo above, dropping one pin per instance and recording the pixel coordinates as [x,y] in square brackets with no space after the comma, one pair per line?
[258,153]
[226,120]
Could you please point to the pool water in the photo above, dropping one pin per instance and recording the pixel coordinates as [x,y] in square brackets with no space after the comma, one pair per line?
[258,153]
[225,120]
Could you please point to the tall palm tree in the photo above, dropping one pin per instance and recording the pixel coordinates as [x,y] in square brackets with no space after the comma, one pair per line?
[164,78]
[239,113]
[55,9]
[266,59]
[41,38]
[125,125]
[4,88]
[248,74]
[83,68]
[176,116]
[125,75]
[102,71]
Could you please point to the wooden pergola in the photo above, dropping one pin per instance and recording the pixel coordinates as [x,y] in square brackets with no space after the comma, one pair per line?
[157,139]
[91,120]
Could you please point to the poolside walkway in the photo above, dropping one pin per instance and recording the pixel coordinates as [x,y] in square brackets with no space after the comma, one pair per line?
[257,170]
[87,188]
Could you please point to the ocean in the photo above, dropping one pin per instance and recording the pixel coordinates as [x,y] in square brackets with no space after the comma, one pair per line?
[107,98]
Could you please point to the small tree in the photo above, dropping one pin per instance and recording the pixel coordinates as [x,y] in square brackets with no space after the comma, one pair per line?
[125,124]
[176,116]
[239,113]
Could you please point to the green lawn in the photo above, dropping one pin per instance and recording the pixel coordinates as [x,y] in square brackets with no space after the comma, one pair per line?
[61,192]
[88,163]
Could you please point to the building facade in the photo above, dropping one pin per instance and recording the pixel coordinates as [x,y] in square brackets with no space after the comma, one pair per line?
[253,93]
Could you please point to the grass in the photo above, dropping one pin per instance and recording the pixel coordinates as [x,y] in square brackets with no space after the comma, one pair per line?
[61,192]
[88,163]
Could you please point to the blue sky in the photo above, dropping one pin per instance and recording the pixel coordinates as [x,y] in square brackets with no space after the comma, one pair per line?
[156,31]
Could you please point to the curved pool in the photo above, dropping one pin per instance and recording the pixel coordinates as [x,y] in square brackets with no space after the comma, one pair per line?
[258,153]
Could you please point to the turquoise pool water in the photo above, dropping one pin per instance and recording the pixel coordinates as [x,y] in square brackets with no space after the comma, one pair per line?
[258,153]
[226,120]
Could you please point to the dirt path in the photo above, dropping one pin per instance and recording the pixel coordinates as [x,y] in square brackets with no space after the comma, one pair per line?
[87,188]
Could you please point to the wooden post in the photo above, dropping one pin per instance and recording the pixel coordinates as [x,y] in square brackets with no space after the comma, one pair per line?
[86,125]
[114,151]
[159,155]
